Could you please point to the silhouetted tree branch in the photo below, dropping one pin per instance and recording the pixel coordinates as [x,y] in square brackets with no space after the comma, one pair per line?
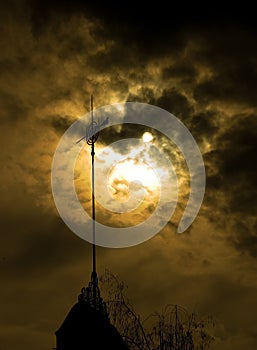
[172,329]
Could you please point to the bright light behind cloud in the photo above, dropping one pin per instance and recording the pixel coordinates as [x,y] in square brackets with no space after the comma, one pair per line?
[129,182]
[130,173]
[147,137]
[123,181]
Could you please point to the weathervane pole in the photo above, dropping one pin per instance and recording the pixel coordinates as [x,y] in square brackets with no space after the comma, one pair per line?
[92,293]
[92,141]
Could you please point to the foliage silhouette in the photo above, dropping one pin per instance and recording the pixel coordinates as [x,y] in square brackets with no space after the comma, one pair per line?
[172,329]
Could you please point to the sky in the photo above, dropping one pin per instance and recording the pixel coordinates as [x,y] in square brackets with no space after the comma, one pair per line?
[198,65]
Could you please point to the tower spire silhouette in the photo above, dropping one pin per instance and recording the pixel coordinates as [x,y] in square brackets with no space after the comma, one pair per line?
[88,325]
[93,135]
[91,294]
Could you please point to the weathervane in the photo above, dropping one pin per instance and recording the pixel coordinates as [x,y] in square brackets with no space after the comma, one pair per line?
[91,294]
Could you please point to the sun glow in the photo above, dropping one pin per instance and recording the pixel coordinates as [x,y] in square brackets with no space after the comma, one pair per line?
[147,137]
[130,175]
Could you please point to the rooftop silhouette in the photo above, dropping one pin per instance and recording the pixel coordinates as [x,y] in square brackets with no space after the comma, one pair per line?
[87,325]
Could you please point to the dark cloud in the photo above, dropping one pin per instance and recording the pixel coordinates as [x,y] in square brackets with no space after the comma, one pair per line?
[176,103]
[170,99]
[144,94]
[183,70]
[117,57]
[224,88]
[237,166]
[60,123]
[232,189]
[12,107]
[231,59]
[132,21]
[33,234]
[204,124]
[245,239]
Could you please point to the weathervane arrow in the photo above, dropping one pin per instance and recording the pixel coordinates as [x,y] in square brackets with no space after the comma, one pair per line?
[94,128]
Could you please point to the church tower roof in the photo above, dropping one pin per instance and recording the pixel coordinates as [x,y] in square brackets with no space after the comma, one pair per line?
[87,326]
